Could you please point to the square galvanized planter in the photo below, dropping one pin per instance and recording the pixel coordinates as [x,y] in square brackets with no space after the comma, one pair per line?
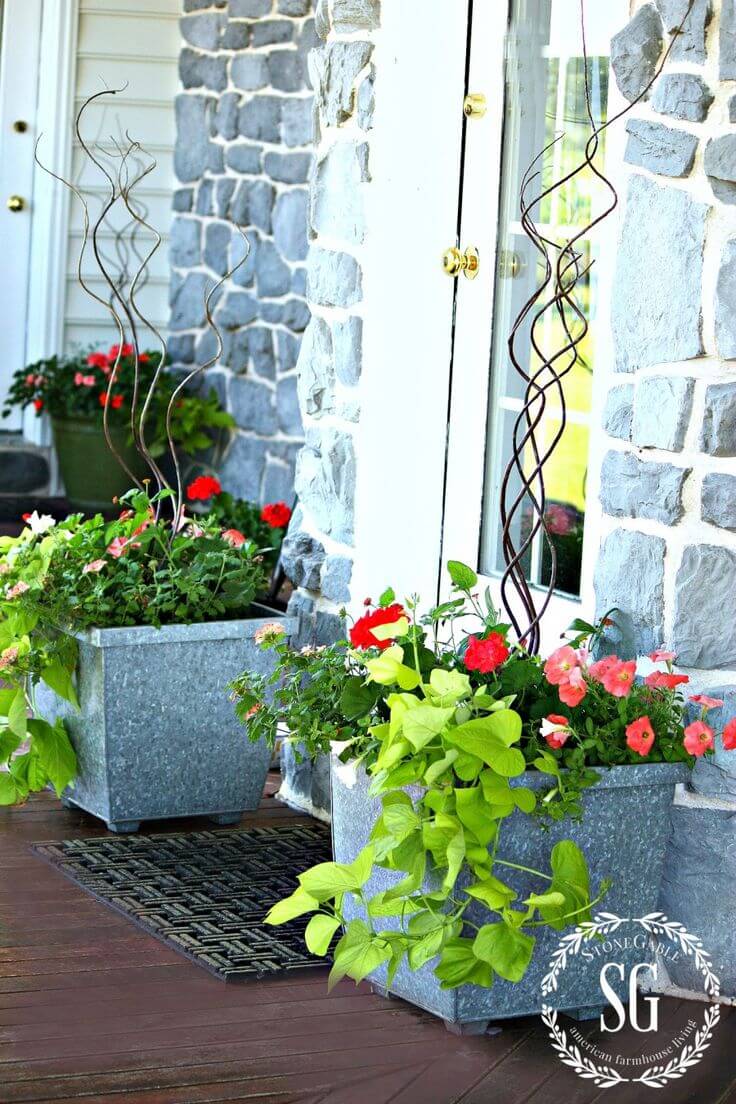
[157,735]
[623,836]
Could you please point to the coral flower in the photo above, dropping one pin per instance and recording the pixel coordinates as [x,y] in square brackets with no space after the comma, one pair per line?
[93,567]
[361,635]
[15,591]
[706,702]
[269,632]
[598,669]
[729,735]
[233,537]
[619,679]
[559,664]
[8,657]
[572,689]
[555,730]
[276,514]
[203,487]
[640,736]
[487,654]
[117,546]
[659,656]
[663,680]
[698,738]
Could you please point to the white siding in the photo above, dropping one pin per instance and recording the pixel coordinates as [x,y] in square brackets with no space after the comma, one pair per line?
[136,41]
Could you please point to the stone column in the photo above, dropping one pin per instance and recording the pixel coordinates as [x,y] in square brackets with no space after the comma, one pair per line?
[668,480]
[243,158]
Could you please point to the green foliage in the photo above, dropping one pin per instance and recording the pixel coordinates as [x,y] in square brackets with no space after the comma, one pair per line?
[59,579]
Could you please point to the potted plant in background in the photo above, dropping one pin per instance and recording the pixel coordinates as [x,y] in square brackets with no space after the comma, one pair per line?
[75,391]
[478,792]
[116,642]
[266,525]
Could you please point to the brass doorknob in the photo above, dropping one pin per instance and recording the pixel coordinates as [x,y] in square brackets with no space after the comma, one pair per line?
[454,261]
[16,203]
[474,105]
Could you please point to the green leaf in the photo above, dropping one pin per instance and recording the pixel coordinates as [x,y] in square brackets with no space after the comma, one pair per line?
[492,892]
[296,905]
[524,798]
[570,879]
[18,715]
[391,631]
[55,752]
[422,724]
[358,953]
[426,947]
[400,820]
[458,965]
[319,933]
[439,767]
[552,899]
[387,598]
[357,699]
[472,812]
[448,687]
[9,793]
[505,948]
[463,577]
[9,743]
[380,905]
[483,738]
[388,669]
[454,858]
[327,879]
[6,697]
[59,678]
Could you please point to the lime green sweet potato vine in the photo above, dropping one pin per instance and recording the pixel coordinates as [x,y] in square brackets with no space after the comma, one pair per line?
[444,839]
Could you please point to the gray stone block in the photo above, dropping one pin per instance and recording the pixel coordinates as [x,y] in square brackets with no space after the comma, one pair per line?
[206,349]
[718,499]
[272,32]
[224,189]
[288,351]
[260,351]
[656,309]
[287,405]
[185,246]
[732,109]
[349,16]
[288,168]
[718,434]
[226,115]
[187,303]
[725,302]
[720,167]
[334,71]
[278,482]
[217,247]
[618,412]
[249,9]
[216,159]
[295,314]
[660,148]
[337,207]
[236,354]
[244,158]
[260,118]
[249,71]
[635,51]
[252,203]
[316,369]
[704,632]
[336,575]
[244,275]
[689,44]
[294,7]
[662,411]
[202,71]
[333,279]
[299,281]
[631,487]
[290,224]
[273,277]
[242,471]
[322,18]
[196,5]
[286,69]
[297,121]
[192,136]
[683,96]
[236,35]
[204,196]
[237,309]
[638,596]
[727,41]
[367,100]
[181,349]
[347,341]
[302,557]
[308,40]
[325,481]
[203,30]
[252,405]
[182,199]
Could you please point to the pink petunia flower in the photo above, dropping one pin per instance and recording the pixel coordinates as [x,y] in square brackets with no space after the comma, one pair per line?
[555,730]
[660,656]
[233,537]
[117,546]
[698,738]
[15,591]
[706,702]
[640,736]
[598,669]
[729,736]
[559,664]
[93,567]
[619,678]
[573,688]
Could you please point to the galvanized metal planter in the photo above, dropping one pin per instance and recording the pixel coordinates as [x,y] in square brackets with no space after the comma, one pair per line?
[623,835]
[157,736]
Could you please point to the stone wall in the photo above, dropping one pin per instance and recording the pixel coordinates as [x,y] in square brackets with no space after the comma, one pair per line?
[243,157]
[668,480]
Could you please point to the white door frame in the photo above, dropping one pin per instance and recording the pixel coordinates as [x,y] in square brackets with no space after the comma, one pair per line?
[474,323]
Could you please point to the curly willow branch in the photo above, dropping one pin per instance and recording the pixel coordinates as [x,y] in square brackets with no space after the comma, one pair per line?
[555,295]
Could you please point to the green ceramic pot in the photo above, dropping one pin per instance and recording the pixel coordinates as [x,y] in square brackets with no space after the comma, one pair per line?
[92,476]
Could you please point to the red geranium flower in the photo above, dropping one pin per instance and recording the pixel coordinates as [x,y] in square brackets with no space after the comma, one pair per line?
[640,736]
[204,486]
[38,405]
[122,350]
[698,738]
[361,635]
[663,680]
[97,360]
[276,514]
[729,735]
[487,654]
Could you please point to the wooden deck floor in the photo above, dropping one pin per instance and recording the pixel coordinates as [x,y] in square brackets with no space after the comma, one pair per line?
[92,1009]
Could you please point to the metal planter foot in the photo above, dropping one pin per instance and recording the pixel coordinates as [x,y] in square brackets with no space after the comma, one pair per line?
[225,819]
[67,803]
[583,1014]
[123,827]
[474,1027]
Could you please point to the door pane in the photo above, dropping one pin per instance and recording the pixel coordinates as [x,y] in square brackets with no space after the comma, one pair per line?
[545,99]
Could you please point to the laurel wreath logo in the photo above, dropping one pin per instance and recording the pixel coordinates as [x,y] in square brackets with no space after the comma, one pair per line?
[657,1076]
